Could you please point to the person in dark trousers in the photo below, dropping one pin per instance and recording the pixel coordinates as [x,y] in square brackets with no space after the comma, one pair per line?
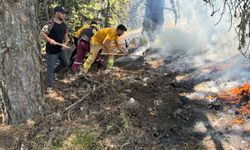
[54,32]
[83,48]
[76,37]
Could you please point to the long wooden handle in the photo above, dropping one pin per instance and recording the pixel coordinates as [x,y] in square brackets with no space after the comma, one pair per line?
[113,54]
[121,54]
[65,46]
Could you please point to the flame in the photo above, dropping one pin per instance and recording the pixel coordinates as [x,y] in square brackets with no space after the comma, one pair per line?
[210,97]
[245,109]
[239,121]
[238,96]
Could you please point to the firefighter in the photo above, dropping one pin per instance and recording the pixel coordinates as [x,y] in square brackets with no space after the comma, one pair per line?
[103,39]
[83,48]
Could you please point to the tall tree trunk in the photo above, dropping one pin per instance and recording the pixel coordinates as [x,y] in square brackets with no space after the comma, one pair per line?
[46,6]
[107,15]
[135,15]
[20,84]
[42,12]
[153,19]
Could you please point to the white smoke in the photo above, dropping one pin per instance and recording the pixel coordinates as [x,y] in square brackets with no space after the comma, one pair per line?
[199,44]
[205,55]
[195,33]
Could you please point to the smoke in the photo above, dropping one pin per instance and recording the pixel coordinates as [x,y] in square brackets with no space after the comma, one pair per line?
[136,13]
[195,33]
[197,44]
[205,57]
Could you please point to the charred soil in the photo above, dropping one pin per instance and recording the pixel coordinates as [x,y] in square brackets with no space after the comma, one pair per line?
[124,109]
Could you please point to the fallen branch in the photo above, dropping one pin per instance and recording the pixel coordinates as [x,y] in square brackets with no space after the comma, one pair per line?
[81,75]
[77,102]
[69,115]
[80,100]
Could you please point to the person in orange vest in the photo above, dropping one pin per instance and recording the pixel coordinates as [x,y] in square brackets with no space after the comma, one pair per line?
[103,39]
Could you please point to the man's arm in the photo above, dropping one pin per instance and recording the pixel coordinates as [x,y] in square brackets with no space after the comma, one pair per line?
[120,48]
[107,45]
[44,35]
[66,39]
[47,39]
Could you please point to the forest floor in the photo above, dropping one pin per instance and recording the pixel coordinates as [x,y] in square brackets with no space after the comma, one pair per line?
[140,108]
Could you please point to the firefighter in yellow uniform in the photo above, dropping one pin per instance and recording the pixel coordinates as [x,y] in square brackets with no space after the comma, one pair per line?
[77,34]
[103,39]
[79,31]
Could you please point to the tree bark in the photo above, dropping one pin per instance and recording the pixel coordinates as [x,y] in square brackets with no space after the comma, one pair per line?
[42,9]
[135,14]
[153,19]
[107,15]
[20,82]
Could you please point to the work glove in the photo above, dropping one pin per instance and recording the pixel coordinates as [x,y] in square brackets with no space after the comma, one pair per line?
[76,67]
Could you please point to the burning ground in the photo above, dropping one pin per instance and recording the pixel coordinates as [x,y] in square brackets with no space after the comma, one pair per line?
[192,92]
[224,97]
[144,108]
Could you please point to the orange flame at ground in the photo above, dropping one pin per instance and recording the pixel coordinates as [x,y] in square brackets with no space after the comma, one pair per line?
[239,121]
[239,96]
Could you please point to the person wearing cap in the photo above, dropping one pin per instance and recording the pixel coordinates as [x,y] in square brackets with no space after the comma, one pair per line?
[83,47]
[103,39]
[54,32]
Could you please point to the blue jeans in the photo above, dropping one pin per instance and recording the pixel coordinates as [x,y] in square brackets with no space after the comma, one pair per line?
[51,60]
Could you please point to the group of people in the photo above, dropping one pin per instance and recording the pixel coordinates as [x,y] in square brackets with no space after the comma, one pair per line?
[89,43]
